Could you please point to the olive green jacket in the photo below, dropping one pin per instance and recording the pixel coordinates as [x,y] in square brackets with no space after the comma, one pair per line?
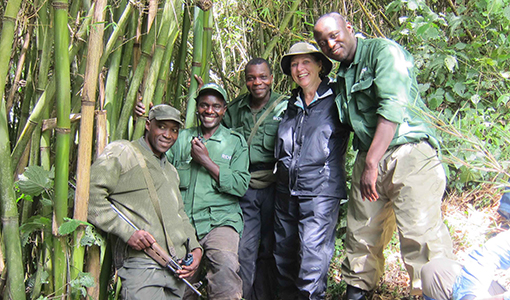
[381,81]
[116,177]
[208,203]
[242,119]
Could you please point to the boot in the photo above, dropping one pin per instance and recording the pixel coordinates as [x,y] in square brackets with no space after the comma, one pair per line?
[354,293]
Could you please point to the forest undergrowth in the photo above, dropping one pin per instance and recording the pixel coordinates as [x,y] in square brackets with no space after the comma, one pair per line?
[472,218]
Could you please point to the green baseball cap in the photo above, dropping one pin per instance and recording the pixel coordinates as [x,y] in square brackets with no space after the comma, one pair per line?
[213,87]
[165,112]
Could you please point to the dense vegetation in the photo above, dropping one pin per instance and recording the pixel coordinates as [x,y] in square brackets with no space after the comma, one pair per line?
[91,61]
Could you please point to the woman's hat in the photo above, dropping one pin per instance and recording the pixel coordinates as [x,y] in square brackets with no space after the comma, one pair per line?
[305,48]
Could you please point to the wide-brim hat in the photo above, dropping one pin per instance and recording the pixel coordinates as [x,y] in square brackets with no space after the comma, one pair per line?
[304,48]
[213,87]
[165,112]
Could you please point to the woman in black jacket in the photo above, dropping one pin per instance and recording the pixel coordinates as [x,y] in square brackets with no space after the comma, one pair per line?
[310,149]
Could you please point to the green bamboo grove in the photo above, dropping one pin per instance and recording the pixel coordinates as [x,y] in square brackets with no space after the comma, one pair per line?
[72,72]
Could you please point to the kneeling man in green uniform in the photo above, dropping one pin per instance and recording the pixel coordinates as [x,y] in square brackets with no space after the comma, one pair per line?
[150,201]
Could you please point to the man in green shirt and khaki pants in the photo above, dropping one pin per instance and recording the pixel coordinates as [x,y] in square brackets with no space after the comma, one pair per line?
[212,162]
[397,180]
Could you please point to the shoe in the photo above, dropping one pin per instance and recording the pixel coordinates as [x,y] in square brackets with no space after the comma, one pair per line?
[354,293]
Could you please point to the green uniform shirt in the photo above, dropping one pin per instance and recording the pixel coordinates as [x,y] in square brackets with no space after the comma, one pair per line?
[116,176]
[210,204]
[381,82]
[242,119]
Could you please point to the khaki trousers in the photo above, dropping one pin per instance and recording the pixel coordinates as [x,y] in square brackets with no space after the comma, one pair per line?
[410,184]
[222,265]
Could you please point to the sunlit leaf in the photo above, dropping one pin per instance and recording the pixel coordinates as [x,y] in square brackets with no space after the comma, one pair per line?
[450,62]
[459,88]
[35,180]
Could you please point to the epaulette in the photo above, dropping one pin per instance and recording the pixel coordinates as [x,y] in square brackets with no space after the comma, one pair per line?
[240,136]
[238,99]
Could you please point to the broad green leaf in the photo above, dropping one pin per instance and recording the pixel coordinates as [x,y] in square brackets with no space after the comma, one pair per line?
[35,223]
[35,180]
[503,99]
[506,12]
[450,62]
[460,46]
[449,97]
[70,226]
[459,88]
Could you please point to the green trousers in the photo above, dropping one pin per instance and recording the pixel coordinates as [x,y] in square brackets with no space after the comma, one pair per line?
[144,279]
[410,184]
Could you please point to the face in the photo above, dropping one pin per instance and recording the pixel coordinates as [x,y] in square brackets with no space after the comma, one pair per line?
[304,69]
[211,109]
[336,39]
[161,135]
[258,81]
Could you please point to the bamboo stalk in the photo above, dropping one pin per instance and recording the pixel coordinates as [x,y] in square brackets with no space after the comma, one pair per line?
[165,68]
[282,27]
[371,19]
[19,67]
[63,98]
[207,43]
[119,29]
[196,66]
[9,210]
[112,81]
[168,28]
[86,133]
[121,131]
[181,60]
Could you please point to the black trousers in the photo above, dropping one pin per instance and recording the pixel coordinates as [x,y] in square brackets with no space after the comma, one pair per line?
[305,242]
[258,268]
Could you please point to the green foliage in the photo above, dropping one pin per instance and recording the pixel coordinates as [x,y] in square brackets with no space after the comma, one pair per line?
[35,180]
[465,82]
[81,283]
[70,225]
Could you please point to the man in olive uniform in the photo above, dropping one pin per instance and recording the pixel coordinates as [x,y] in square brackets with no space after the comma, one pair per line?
[397,179]
[256,116]
[116,180]
[212,162]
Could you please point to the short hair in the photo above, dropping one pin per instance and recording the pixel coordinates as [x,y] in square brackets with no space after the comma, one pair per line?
[335,15]
[257,61]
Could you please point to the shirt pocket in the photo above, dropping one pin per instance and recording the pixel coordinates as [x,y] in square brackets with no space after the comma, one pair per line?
[363,92]
[269,138]
[184,171]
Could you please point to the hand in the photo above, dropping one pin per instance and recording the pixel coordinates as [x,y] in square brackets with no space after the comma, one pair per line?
[199,152]
[200,82]
[188,271]
[140,240]
[139,109]
[367,184]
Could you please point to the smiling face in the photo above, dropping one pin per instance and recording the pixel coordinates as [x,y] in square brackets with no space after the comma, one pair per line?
[210,108]
[304,69]
[258,81]
[161,135]
[336,38]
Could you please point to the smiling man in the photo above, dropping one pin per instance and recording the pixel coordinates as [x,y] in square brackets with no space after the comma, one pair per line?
[257,114]
[397,179]
[115,179]
[212,162]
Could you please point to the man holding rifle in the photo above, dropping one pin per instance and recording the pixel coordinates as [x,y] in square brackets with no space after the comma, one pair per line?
[134,196]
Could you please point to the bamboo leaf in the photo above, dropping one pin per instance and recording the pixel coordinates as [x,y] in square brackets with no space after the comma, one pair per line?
[35,180]
[35,223]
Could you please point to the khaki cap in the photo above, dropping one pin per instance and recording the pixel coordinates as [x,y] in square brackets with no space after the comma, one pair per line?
[165,112]
[305,48]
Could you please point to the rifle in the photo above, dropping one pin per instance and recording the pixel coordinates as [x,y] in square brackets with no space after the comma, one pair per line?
[156,252]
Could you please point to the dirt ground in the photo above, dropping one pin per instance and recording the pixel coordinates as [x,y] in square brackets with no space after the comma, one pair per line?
[472,218]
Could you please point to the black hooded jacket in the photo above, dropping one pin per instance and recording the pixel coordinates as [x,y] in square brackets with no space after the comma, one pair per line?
[310,146]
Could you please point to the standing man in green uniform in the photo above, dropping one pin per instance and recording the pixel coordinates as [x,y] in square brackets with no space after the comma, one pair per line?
[397,178]
[256,116]
[115,179]
[212,162]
